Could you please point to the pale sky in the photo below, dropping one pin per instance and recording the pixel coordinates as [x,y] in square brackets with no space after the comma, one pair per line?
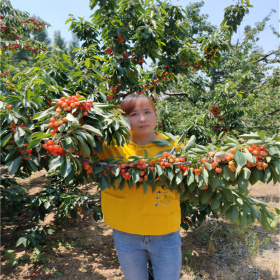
[56,12]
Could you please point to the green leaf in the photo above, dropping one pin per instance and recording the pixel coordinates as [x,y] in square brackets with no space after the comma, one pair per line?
[19,140]
[228,194]
[84,148]
[262,134]
[99,57]
[97,169]
[22,240]
[92,130]
[65,58]
[232,214]
[255,141]
[146,153]
[233,140]
[169,173]
[46,78]
[247,173]
[267,175]
[242,182]
[182,138]
[68,20]
[159,170]
[66,167]
[249,156]
[20,131]
[255,212]
[37,81]
[87,62]
[257,174]
[171,136]
[197,150]
[246,209]
[66,142]
[103,182]
[220,154]
[202,148]
[228,174]
[277,210]
[121,183]
[215,204]
[190,177]
[32,165]
[161,142]
[5,139]
[214,180]
[14,166]
[40,135]
[47,204]
[206,195]
[250,136]
[145,186]
[243,219]
[205,175]
[135,176]
[34,143]
[267,212]
[116,170]
[90,139]
[178,178]
[272,150]
[55,162]
[275,175]
[276,163]
[190,143]
[240,158]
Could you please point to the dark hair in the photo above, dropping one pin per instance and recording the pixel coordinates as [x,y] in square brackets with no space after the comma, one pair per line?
[129,103]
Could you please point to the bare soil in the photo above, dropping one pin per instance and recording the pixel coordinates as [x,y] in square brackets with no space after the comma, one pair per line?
[84,249]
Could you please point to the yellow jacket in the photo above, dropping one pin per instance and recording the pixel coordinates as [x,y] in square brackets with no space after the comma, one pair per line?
[132,211]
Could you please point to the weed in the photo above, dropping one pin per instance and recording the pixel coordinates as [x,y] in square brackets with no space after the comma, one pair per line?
[253,244]
[37,256]
[58,274]
[71,244]
[11,255]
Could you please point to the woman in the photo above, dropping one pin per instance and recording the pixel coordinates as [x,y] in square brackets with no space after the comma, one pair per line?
[143,223]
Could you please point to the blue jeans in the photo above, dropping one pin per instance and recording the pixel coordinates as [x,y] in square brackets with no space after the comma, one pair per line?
[164,251]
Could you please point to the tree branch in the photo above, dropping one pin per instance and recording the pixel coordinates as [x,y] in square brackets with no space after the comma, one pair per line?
[240,89]
[184,94]
[269,54]
[271,114]
[197,85]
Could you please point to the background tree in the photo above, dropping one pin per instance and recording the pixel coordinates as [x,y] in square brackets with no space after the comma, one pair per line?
[42,36]
[230,89]
[73,45]
[58,41]
[25,55]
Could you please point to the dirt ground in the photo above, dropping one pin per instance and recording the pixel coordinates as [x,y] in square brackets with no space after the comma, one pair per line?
[84,249]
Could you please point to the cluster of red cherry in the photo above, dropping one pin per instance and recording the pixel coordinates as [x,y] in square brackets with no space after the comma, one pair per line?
[87,167]
[120,38]
[72,102]
[35,22]
[6,73]
[260,152]
[33,49]
[109,50]
[14,126]
[215,110]
[26,153]
[55,150]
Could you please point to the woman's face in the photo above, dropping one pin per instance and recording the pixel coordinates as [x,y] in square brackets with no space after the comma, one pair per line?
[142,119]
